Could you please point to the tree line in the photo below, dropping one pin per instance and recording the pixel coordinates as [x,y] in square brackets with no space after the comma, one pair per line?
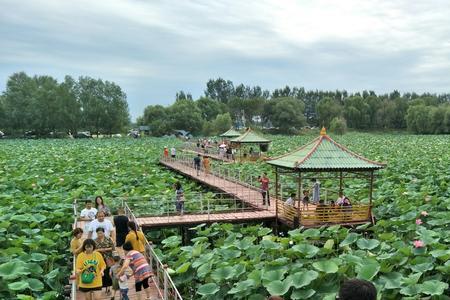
[43,105]
[288,109]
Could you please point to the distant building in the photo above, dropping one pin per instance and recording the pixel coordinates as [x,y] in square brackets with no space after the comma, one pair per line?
[145,129]
[182,134]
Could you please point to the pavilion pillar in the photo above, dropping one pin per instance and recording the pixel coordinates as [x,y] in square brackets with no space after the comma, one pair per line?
[371,187]
[299,195]
[341,183]
[276,192]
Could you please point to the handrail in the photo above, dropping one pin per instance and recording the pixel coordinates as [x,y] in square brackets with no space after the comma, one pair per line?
[74,282]
[219,171]
[153,257]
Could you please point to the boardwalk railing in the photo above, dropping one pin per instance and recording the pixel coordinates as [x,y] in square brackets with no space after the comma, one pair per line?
[219,171]
[164,283]
[74,281]
[194,203]
[323,214]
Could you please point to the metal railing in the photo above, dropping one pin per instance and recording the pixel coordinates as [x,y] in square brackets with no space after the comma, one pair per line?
[193,203]
[240,179]
[74,282]
[163,282]
[211,151]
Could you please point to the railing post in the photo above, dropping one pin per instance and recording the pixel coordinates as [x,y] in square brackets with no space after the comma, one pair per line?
[201,202]
[208,208]
[150,256]
[166,283]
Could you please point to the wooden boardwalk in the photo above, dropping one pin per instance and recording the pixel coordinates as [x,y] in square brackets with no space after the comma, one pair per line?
[249,195]
[210,155]
[193,219]
[132,292]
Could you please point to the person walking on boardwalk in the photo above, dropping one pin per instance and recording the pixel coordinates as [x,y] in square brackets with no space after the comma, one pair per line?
[173,152]
[140,267]
[197,161]
[316,191]
[264,180]
[90,267]
[166,152]
[206,165]
[179,198]
[136,238]
[121,224]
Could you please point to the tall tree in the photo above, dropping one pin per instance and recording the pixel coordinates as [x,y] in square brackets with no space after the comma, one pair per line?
[18,102]
[328,109]
[219,89]
[287,114]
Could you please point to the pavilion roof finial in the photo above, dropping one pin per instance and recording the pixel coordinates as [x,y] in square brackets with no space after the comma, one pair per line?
[323,131]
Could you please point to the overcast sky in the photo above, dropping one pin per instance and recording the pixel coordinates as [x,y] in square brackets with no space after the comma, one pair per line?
[153,49]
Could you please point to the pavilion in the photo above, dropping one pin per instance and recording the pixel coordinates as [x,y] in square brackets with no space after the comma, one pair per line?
[230,133]
[323,158]
[245,143]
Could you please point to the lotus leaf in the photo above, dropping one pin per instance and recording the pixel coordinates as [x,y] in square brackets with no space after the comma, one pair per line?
[13,269]
[208,289]
[326,266]
[367,244]
[279,287]
[302,294]
[302,279]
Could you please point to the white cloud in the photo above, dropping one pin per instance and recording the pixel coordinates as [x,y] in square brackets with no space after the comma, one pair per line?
[172,45]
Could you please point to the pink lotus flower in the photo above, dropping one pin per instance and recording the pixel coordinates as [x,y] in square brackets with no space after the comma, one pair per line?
[419,244]
[424,213]
[419,221]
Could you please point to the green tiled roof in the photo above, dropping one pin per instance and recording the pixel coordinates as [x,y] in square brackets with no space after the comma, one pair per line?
[249,137]
[324,154]
[231,133]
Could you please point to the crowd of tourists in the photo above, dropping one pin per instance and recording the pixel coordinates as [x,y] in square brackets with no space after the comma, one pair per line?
[99,264]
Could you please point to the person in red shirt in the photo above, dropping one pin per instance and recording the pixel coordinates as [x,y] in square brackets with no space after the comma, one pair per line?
[166,152]
[264,180]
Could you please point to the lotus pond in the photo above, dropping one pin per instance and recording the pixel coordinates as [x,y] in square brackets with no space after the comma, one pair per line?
[406,254]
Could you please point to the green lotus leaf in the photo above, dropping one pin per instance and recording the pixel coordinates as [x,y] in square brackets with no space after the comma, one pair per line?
[367,244]
[350,239]
[38,256]
[422,268]
[204,270]
[301,279]
[18,285]
[208,289]
[368,271]
[279,287]
[13,269]
[302,294]
[392,280]
[242,286]
[273,275]
[328,267]
[183,268]
[223,273]
[433,287]
[35,284]
[269,245]
[306,249]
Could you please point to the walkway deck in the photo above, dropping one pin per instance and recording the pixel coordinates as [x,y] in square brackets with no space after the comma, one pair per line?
[193,219]
[242,192]
[132,292]
[211,155]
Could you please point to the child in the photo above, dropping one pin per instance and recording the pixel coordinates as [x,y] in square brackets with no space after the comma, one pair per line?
[113,272]
[123,283]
